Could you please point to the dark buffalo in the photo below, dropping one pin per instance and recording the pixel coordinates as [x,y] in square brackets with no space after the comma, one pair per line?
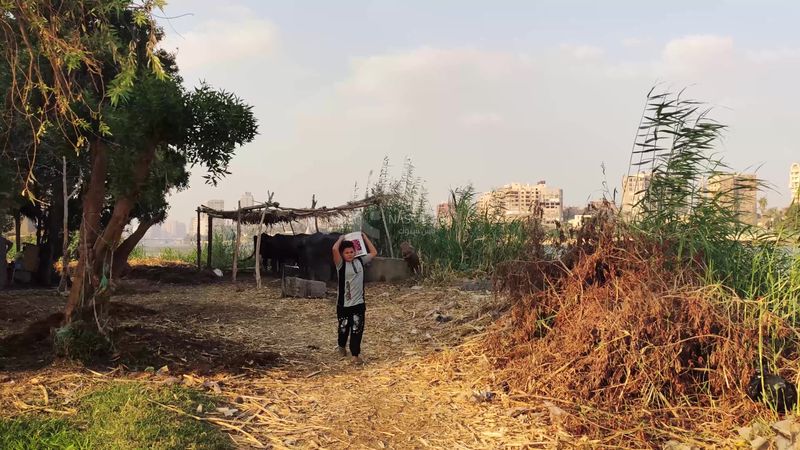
[279,249]
[316,258]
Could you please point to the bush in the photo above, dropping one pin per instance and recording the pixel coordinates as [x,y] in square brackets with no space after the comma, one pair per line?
[80,341]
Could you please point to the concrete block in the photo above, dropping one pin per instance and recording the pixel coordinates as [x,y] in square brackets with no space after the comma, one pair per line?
[298,287]
[387,269]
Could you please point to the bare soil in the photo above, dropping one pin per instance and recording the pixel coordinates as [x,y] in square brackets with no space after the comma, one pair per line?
[424,384]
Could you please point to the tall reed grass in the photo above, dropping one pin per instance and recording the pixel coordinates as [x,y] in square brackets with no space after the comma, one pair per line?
[463,241]
[702,227]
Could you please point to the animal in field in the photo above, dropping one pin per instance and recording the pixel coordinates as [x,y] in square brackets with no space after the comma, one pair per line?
[409,254]
[311,252]
[772,390]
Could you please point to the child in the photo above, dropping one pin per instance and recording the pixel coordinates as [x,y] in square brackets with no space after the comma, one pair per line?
[350,307]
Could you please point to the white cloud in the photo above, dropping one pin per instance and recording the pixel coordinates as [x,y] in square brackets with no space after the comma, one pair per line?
[695,54]
[635,42]
[582,51]
[774,55]
[227,40]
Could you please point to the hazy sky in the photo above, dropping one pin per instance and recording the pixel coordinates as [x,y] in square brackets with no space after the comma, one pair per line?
[481,92]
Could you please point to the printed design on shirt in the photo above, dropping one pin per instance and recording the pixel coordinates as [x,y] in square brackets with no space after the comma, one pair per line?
[348,293]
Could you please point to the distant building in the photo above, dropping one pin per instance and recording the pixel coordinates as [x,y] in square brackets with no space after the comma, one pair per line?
[219,205]
[794,182]
[444,213]
[175,229]
[579,219]
[738,191]
[247,200]
[633,189]
[517,200]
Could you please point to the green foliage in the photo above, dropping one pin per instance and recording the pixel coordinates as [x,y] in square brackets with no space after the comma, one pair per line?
[701,227]
[220,122]
[222,248]
[80,341]
[41,433]
[120,416]
[465,242]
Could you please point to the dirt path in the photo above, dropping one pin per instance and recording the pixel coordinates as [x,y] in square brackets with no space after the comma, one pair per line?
[273,360]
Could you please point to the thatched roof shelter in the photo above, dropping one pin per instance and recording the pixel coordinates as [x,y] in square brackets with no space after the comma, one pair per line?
[269,213]
[275,213]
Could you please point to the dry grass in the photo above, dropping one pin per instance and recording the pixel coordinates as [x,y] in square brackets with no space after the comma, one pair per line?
[636,350]
[415,390]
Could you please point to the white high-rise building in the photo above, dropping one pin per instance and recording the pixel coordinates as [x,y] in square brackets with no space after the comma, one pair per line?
[634,188]
[219,205]
[517,200]
[794,182]
[247,200]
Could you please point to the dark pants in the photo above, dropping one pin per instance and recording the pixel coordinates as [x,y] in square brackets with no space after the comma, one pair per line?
[351,321]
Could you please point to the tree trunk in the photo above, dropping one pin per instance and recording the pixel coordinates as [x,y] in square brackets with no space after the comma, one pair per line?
[90,226]
[127,246]
[108,241]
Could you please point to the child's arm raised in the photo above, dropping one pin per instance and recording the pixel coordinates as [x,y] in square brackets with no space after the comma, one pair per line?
[337,255]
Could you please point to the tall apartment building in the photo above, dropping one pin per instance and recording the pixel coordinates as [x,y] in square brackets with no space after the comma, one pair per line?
[247,200]
[794,182]
[633,190]
[443,213]
[517,200]
[219,205]
[738,191]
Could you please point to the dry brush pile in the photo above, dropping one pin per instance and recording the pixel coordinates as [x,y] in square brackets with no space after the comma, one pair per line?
[631,343]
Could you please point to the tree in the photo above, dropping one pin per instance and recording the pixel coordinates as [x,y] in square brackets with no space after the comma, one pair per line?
[169,172]
[86,73]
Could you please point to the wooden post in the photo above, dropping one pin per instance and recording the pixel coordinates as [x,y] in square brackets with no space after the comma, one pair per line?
[17,230]
[62,285]
[210,240]
[314,206]
[257,253]
[238,239]
[386,228]
[199,248]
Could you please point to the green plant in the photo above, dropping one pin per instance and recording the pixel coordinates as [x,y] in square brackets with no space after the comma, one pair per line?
[121,415]
[467,241]
[702,228]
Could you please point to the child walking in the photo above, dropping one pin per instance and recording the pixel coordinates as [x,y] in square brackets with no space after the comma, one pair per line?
[350,306]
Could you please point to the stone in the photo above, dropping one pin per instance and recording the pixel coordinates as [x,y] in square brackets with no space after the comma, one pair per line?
[784,427]
[783,443]
[746,433]
[299,287]
[759,443]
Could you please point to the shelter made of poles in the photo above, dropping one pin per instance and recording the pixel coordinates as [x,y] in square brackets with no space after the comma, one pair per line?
[270,213]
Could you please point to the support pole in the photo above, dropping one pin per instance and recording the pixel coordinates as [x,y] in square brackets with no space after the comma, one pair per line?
[314,206]
[62,285]
[18,230]
[210,240]
[257,253]
[386,228]
[238,239]
[199,248]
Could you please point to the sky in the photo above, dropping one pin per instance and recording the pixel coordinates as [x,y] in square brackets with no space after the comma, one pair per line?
[481,92]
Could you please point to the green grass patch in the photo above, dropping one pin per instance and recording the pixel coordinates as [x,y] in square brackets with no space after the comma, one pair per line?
[120,416]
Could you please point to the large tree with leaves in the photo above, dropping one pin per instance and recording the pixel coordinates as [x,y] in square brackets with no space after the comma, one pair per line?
[88,71]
